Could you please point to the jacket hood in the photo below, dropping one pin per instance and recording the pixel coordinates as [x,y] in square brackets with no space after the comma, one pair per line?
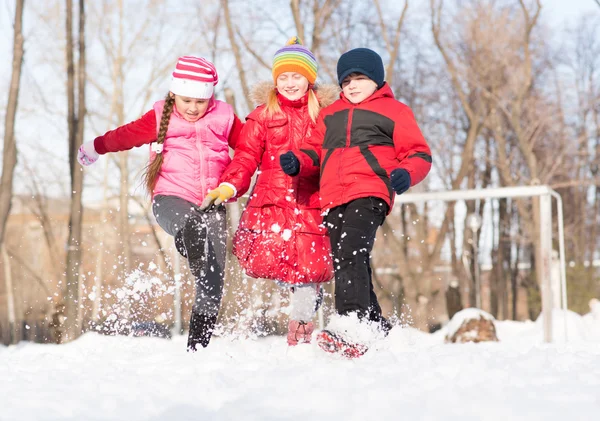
[326,93]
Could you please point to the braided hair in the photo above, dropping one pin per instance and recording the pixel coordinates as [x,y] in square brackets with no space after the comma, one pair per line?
[153,168]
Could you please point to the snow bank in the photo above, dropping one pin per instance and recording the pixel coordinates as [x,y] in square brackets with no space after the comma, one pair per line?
[123,378]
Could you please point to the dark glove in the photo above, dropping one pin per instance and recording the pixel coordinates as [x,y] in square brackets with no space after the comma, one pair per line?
[289,163]
[400,180]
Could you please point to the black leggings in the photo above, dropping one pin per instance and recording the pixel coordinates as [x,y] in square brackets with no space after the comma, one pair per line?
[203,240]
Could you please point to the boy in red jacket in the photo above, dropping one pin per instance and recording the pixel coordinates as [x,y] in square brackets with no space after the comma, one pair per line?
[367,147]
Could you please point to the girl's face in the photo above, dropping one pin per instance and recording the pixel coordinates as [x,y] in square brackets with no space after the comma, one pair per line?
[358,87]
[292,85]
[192,109]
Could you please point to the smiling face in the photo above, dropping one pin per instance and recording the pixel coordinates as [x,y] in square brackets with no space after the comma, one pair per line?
[192,109]
[292,85]
[358,87]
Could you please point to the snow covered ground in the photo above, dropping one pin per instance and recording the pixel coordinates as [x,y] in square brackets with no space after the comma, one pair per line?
[407,376]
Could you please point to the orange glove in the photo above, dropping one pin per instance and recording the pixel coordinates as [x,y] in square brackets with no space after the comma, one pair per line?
[215,197]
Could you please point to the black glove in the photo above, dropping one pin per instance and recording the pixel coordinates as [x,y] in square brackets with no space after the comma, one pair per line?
[289,163]
[400,179]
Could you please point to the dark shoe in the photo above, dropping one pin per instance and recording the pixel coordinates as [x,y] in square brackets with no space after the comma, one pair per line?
[385,325]
[201,330]
[382,323]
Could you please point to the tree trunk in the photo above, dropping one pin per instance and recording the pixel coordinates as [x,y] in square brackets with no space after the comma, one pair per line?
[99,272]
[514,276]
[124,236]
[237,55]
[9,158]
[10,297]
[453,299]
[534,304]
[392,45]
[124,215]
[503,257]
[75,119]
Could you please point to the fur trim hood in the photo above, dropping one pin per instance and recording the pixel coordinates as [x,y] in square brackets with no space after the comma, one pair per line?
[326,93]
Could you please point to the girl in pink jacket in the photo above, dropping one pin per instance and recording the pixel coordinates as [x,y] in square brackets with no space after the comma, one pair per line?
[190,133]
[281,235]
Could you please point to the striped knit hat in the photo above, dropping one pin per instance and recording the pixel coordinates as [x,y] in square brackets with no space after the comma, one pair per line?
[295,57]
[194,77]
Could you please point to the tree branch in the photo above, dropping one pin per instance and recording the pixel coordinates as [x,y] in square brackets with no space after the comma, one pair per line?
[249,48]
[295,6]
[237,54]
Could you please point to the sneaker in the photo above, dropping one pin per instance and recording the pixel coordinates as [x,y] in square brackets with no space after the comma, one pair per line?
[299,332]
[335,344]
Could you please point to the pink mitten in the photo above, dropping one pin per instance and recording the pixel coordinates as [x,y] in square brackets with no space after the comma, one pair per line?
[87,154]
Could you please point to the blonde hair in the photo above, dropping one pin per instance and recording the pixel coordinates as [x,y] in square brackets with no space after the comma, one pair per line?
[153,167]
[272,106]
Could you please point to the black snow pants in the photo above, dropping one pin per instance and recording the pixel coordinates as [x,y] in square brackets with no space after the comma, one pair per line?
[352,228]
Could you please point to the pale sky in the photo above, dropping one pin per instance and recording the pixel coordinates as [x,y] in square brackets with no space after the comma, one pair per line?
[566,11]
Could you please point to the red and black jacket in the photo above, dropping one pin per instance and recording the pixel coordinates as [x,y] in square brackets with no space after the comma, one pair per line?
[357,146]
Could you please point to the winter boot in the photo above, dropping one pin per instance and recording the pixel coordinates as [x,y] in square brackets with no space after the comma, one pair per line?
[334,343]
[201,329]
[299,332]
[382,323]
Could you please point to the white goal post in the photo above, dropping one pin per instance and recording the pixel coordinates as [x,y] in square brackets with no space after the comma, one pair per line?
[545,193]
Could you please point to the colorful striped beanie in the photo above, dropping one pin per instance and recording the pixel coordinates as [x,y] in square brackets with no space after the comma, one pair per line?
[295,57]
[194,77]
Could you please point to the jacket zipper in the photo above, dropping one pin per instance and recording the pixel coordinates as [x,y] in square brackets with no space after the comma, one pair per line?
[348,131]
[203,191]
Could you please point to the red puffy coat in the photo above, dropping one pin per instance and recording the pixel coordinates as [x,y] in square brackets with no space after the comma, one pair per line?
[280,235]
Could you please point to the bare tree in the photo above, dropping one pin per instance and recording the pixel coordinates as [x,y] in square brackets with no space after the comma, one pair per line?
[119,109]
[472,114]
[39,207]
[9,158]
[75,120]
[391,45]
[237,54]
[321,13]
[585,64]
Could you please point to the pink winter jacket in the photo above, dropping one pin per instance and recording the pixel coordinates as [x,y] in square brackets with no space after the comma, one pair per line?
[195,154]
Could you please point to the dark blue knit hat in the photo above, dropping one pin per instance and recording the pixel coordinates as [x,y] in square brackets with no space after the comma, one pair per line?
[363,61]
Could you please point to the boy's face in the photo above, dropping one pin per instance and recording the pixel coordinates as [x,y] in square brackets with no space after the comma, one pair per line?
[357,87]
[192,109]
[292,85]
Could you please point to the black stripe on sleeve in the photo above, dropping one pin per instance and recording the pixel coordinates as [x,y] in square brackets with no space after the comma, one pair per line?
[422,155]
[312,155]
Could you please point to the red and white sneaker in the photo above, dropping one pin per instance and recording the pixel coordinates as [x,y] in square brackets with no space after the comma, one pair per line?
[335,344]
[299,332]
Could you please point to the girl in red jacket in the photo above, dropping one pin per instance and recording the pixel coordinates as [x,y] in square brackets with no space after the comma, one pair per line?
[280,235]
[190,132]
